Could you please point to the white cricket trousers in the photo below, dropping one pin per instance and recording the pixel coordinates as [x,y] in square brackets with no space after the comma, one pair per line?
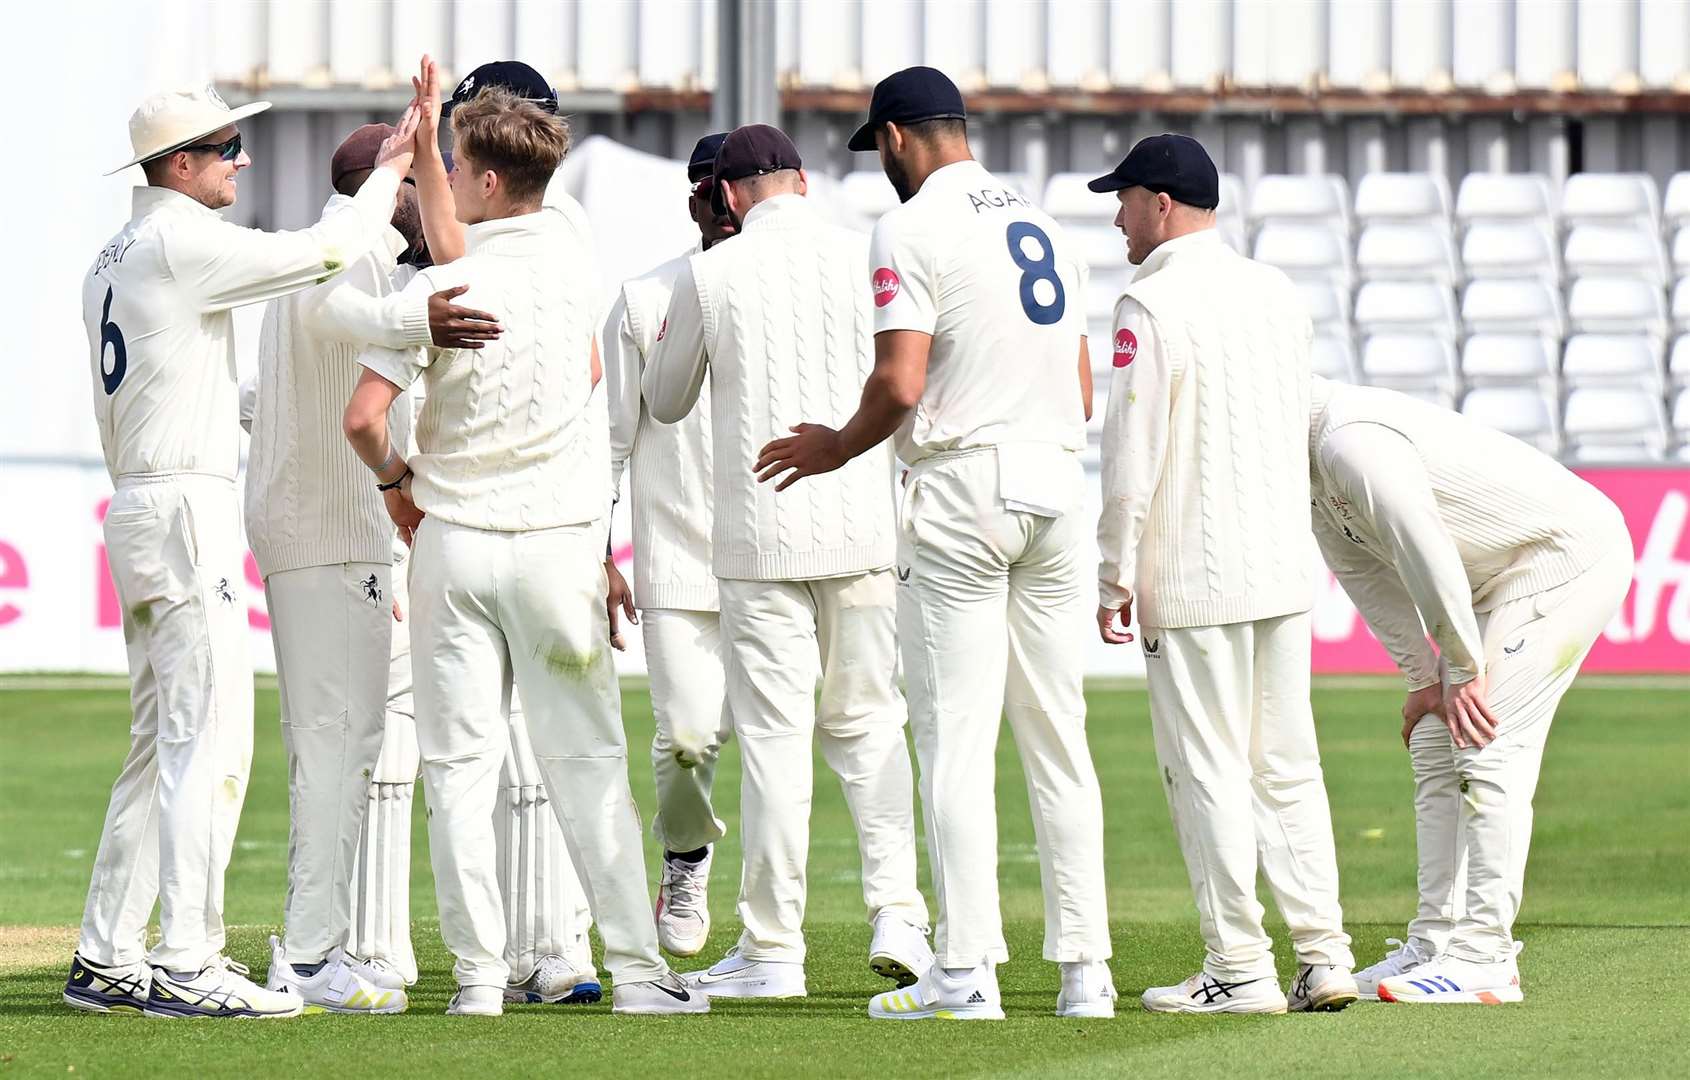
[1229,707]
[530,604]
[683,652]
[1473,807]
[782,638]
[994,606]
[177,559]
[332,628]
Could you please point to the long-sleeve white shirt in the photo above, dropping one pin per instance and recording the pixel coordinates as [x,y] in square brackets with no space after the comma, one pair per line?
[309,500]
[1427,519]
[156,306]
[669,463]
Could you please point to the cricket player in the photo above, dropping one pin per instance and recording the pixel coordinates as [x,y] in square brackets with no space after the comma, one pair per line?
[1203,528]
[675,587]
[1439,527]
[779,322]
[982,374]
[507,575]
[156,303]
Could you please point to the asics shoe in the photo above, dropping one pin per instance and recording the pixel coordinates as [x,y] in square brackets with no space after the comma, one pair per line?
[1087,990]
[938,995]
[1203,993]
[737,977]
[477,1001]
[555,981]
[339,986]
[99,989]
[221,989]
[899,950]
[1404,957]
[683,914]
[660,997]
[1322,988]
[1448,981]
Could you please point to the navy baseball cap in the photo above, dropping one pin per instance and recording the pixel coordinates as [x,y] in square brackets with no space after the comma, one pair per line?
[751,150]
[703,160]
[907,97]
[1176,165]
[511,75]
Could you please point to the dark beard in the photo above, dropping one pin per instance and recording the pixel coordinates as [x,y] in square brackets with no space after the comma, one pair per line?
[900,179]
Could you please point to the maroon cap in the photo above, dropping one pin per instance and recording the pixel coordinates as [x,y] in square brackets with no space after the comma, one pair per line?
[752,150]
[358,151]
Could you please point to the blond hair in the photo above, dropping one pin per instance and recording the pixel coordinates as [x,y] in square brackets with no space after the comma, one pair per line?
[512,136]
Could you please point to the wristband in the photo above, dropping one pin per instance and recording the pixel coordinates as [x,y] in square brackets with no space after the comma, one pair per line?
[395,484]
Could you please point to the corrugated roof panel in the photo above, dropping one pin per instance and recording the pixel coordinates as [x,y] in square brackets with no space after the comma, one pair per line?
[1015,40]
[606,46]
[1140,44]
[1482,55]
[543,33]
[482,31]
[1202,51]
[1077,43]
[1663,34]
[828,44]
[954,40]
[1420,44]
[1607,44]
[1297,44]
[892,30]
[1545,36]
[297,40]
[1359,44]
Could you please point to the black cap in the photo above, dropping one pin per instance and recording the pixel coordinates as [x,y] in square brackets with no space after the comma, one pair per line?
[1176,165]
[906,97]
[512,75]
[751,151]
[703,160]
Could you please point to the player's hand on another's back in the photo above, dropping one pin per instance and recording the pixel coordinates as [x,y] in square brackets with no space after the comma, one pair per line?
[1106,623]
[1468,714]
[451,326]
[399,148]
[1427,699]
[813,449]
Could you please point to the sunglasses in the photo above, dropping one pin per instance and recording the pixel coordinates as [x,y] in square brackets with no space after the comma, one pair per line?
[228,150]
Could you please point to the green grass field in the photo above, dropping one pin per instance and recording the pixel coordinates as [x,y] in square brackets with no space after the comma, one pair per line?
[1606,926]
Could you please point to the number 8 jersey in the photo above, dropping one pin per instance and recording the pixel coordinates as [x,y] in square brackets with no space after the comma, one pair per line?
[993,280]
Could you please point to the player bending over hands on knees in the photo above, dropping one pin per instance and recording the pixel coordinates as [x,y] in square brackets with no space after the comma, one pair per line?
[1439,526]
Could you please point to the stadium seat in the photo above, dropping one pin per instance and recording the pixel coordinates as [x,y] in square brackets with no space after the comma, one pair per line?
[1101,247]
[1310,252]
[1681,304]
[1678,362]
[1504,197]
[1430,395]
[870,194]
[1681,419]
[1328,304]
[1605,424]
[1229,215]
[1675,208]
[1410,361]
[1491,359]
[1616,250]
[1512,306]
[1403,197]
[1521,411]
[1395,252]
[1317,198]
[1103,289]
[1613,360]
[1066,198]
[1512,250]
[1680,254]
[1611,199]
[1334,356]
[1407,307]
[1616,305]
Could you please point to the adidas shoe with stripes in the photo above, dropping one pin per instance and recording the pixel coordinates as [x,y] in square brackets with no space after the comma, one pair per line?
[938,995]
[1448,981]
[341,985]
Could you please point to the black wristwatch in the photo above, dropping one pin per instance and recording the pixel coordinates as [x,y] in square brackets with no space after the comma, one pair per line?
[396,483]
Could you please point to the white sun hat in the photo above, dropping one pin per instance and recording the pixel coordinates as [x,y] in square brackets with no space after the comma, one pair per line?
[178,118]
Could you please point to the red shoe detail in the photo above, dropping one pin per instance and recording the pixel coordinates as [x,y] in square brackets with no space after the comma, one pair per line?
[1488,998]
[1384,994]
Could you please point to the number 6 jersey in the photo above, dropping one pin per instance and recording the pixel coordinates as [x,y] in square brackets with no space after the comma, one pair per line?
[992,278]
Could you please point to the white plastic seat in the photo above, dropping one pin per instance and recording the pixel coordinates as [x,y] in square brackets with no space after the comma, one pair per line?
[1611,199]
[1511,250]
[1616,305]
[1614,424]
[869,193]
[1101,247]
[1066,198]
[1681,304]
[1504,197]
[1334,356]
[1490,359]
[1680,253]
[1431,395]
[1425,307]
[1328,304]
[1630,360]
[1102,290]
[1521,411]
[1319,198]
[1675,207]
[1617,250]
[1678,362]
[1410,361]
[1402,197]
[1681,417]
[1232,195]
[1512,306]
[1393,251]
[1308,251]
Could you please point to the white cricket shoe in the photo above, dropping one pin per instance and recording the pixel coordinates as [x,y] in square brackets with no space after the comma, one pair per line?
[556,981]
[1322,988]
[737,977]
[939,996]
[1087,990]
[477,1001]
[662,997]
[1403,958]
[1448,981]
[341,985]
[97,988]
[221,989]
[683,911]
[899,950]
[1203,993]
[381,971]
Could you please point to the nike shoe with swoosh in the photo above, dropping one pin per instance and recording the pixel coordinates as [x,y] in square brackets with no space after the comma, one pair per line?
[662,997]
